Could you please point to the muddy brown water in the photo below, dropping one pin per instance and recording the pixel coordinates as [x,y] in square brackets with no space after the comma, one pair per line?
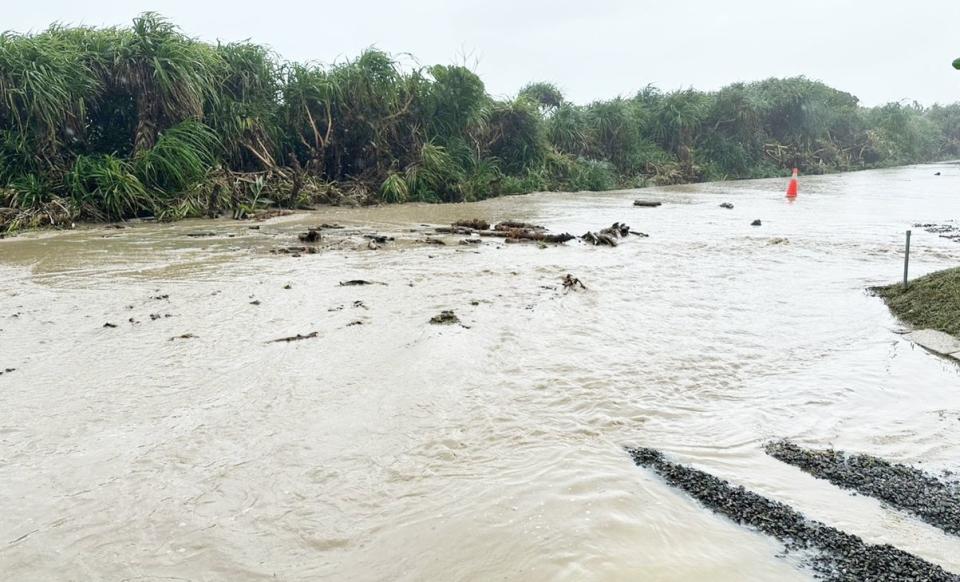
[399,450]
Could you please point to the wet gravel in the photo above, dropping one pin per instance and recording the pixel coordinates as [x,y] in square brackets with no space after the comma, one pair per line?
[833,555]
[932,500]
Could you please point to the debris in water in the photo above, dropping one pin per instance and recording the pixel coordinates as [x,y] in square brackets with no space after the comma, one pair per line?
[288,286]
[647,203]
[378,238]
[184,336]
[445,318]
[727,205]
[255,302]
[7,371]
[837,556]
[571,283]
[353,323]
[514,225]
[311,236]
[608,236]
[358,282]
[756,223]
[373,246]
[160,297]
[906,488]
[470,241]
[359,304]
[295,338]
[110,325]
[434,241]
[201,234]
[331,226]
[937,174]
[474,223]
[779,241]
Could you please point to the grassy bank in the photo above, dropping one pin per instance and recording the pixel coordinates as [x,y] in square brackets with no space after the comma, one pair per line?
[113,123]
[931,302]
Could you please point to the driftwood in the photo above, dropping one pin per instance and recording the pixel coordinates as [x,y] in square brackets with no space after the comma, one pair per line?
[608,236]
[454,230]
[295,338]
[571,282]
[513,225]
[311,236]
[474,223]
[521,234]
[647,203]
[358,282]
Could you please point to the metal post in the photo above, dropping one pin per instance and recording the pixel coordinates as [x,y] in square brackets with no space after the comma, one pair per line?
[906,262]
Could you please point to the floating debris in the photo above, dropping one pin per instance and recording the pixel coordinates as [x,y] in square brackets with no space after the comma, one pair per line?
[295,338]
[184,336]
[470,241]
[474,223]
[288,286]
[331,226]
[726,205]
[201,234]
[7,371]
[647,203]
[255,302]
[756,223]
[906,488]
[836,556]
[110,325]
[515,225]
[445,318]
[354,323]
[160,297]
[608,236]
[311,236]
[779,241]
[571,283]
[359,282]
[434,241]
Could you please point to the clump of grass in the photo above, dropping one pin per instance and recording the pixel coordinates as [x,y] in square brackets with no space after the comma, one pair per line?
[932,301]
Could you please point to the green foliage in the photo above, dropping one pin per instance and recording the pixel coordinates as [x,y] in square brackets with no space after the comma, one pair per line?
[182,156]
[120,122]
[956,64]
[107,186]
[544,95]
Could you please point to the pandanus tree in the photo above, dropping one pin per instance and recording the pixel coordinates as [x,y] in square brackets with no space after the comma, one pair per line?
[170,76]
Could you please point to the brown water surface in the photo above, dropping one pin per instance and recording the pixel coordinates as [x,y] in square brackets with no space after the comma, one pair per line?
[400,450]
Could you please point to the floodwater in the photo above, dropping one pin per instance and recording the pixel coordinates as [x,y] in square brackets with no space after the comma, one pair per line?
[400,450]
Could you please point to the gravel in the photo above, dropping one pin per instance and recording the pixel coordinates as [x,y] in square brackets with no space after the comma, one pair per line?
[833,555]
[932,500]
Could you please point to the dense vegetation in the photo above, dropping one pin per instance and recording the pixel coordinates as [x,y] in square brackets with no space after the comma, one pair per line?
[931,301]
[112,123]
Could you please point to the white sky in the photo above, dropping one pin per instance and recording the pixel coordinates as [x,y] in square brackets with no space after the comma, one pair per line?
[880,51]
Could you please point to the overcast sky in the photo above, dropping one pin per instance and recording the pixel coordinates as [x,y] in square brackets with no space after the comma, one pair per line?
[880,51]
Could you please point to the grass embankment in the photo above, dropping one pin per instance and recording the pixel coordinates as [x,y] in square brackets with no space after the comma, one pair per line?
[122,122]
[930,302]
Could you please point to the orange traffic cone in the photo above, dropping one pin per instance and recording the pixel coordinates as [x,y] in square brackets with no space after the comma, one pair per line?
[794,185]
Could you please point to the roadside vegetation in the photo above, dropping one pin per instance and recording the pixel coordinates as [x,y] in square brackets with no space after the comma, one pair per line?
[930,302]
[113,123]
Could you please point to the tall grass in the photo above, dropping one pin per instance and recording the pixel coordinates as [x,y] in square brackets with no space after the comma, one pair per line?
[112,123]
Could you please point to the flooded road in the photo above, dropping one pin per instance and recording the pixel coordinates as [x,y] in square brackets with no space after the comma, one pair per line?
[399,450]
